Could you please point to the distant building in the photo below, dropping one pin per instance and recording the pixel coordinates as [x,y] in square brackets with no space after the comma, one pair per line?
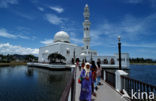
[61,44]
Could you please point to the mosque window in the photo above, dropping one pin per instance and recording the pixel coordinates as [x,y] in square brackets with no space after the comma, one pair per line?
[68,52]
[99,60]
[105,61]
[112,61]
[86,17]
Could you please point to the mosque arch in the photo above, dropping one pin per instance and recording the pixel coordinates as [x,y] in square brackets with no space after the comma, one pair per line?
[112,61]
[99,60]
[105,61]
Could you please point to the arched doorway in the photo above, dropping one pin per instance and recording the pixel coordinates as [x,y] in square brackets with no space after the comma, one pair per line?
[105,61]
[99,60]
[112,61]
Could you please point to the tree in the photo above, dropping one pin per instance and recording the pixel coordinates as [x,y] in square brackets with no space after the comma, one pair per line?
[56,58]
[30,58]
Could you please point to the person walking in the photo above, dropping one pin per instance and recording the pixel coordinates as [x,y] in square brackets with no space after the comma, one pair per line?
[78,65]
[86,83]
[99,69]
[82,65]
[94,69]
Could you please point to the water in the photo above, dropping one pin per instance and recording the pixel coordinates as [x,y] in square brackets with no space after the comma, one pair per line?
[145,73]
[22,83]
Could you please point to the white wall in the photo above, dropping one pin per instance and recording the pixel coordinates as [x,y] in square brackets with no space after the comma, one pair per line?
[124,58]
[61,48]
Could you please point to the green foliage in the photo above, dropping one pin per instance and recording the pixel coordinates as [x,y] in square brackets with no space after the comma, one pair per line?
[56,58]
[141,60]
[17,58]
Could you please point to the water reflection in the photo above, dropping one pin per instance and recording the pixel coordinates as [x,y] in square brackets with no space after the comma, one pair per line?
[44,85]
[29,72]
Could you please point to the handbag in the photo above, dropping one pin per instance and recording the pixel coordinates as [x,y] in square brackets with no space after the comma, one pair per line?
[79,80]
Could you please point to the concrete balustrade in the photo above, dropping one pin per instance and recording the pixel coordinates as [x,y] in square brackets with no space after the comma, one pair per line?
[118,74]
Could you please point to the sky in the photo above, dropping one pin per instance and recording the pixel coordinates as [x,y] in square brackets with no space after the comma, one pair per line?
[27,25]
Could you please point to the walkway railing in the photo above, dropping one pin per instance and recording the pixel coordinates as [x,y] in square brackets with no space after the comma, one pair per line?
[69,91]
[110,78]
[130,84]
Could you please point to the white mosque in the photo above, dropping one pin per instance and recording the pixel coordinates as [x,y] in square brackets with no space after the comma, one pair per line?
[61,44]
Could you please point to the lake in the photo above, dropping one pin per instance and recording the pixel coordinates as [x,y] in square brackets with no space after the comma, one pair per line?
[145,73]
[22,83]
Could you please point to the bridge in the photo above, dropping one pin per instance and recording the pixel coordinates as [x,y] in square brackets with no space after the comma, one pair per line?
[104,93]
[115,85]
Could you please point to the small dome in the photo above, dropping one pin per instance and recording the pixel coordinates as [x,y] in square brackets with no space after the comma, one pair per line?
[61,36]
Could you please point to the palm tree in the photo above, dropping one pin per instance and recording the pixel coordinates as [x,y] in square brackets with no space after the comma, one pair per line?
[54,57]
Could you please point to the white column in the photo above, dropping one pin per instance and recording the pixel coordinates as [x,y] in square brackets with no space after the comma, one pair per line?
[104,75]
[118,74]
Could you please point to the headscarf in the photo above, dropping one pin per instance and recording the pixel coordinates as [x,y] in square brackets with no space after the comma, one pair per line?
[86,69]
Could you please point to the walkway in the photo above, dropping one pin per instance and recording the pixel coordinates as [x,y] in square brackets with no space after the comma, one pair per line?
[104,93]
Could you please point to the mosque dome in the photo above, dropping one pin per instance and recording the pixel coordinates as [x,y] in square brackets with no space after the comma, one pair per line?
[62,36]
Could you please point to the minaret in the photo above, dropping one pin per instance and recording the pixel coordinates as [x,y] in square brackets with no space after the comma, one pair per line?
[86,26]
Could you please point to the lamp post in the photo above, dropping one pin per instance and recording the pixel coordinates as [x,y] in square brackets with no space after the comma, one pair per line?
[91,58]
[74,55]
[119,50]
[83,56]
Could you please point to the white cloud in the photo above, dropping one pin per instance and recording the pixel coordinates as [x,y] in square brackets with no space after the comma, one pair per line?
[47,42]
[5,3]
[23,37]
[57,9]
[24,15]
[40,8]
[4,33]
[53,19]
[147,45]
[131,29]
[7,48]
[76,40]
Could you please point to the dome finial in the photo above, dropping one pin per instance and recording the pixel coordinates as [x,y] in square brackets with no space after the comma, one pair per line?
[86,5]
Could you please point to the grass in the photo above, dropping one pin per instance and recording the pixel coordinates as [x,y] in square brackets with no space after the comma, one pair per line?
[13,63]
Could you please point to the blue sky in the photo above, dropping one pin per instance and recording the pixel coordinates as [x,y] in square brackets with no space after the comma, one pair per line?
[26,25]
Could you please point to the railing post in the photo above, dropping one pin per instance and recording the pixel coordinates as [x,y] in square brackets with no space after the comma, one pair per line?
[118,83]
[104,75]
[70,95]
